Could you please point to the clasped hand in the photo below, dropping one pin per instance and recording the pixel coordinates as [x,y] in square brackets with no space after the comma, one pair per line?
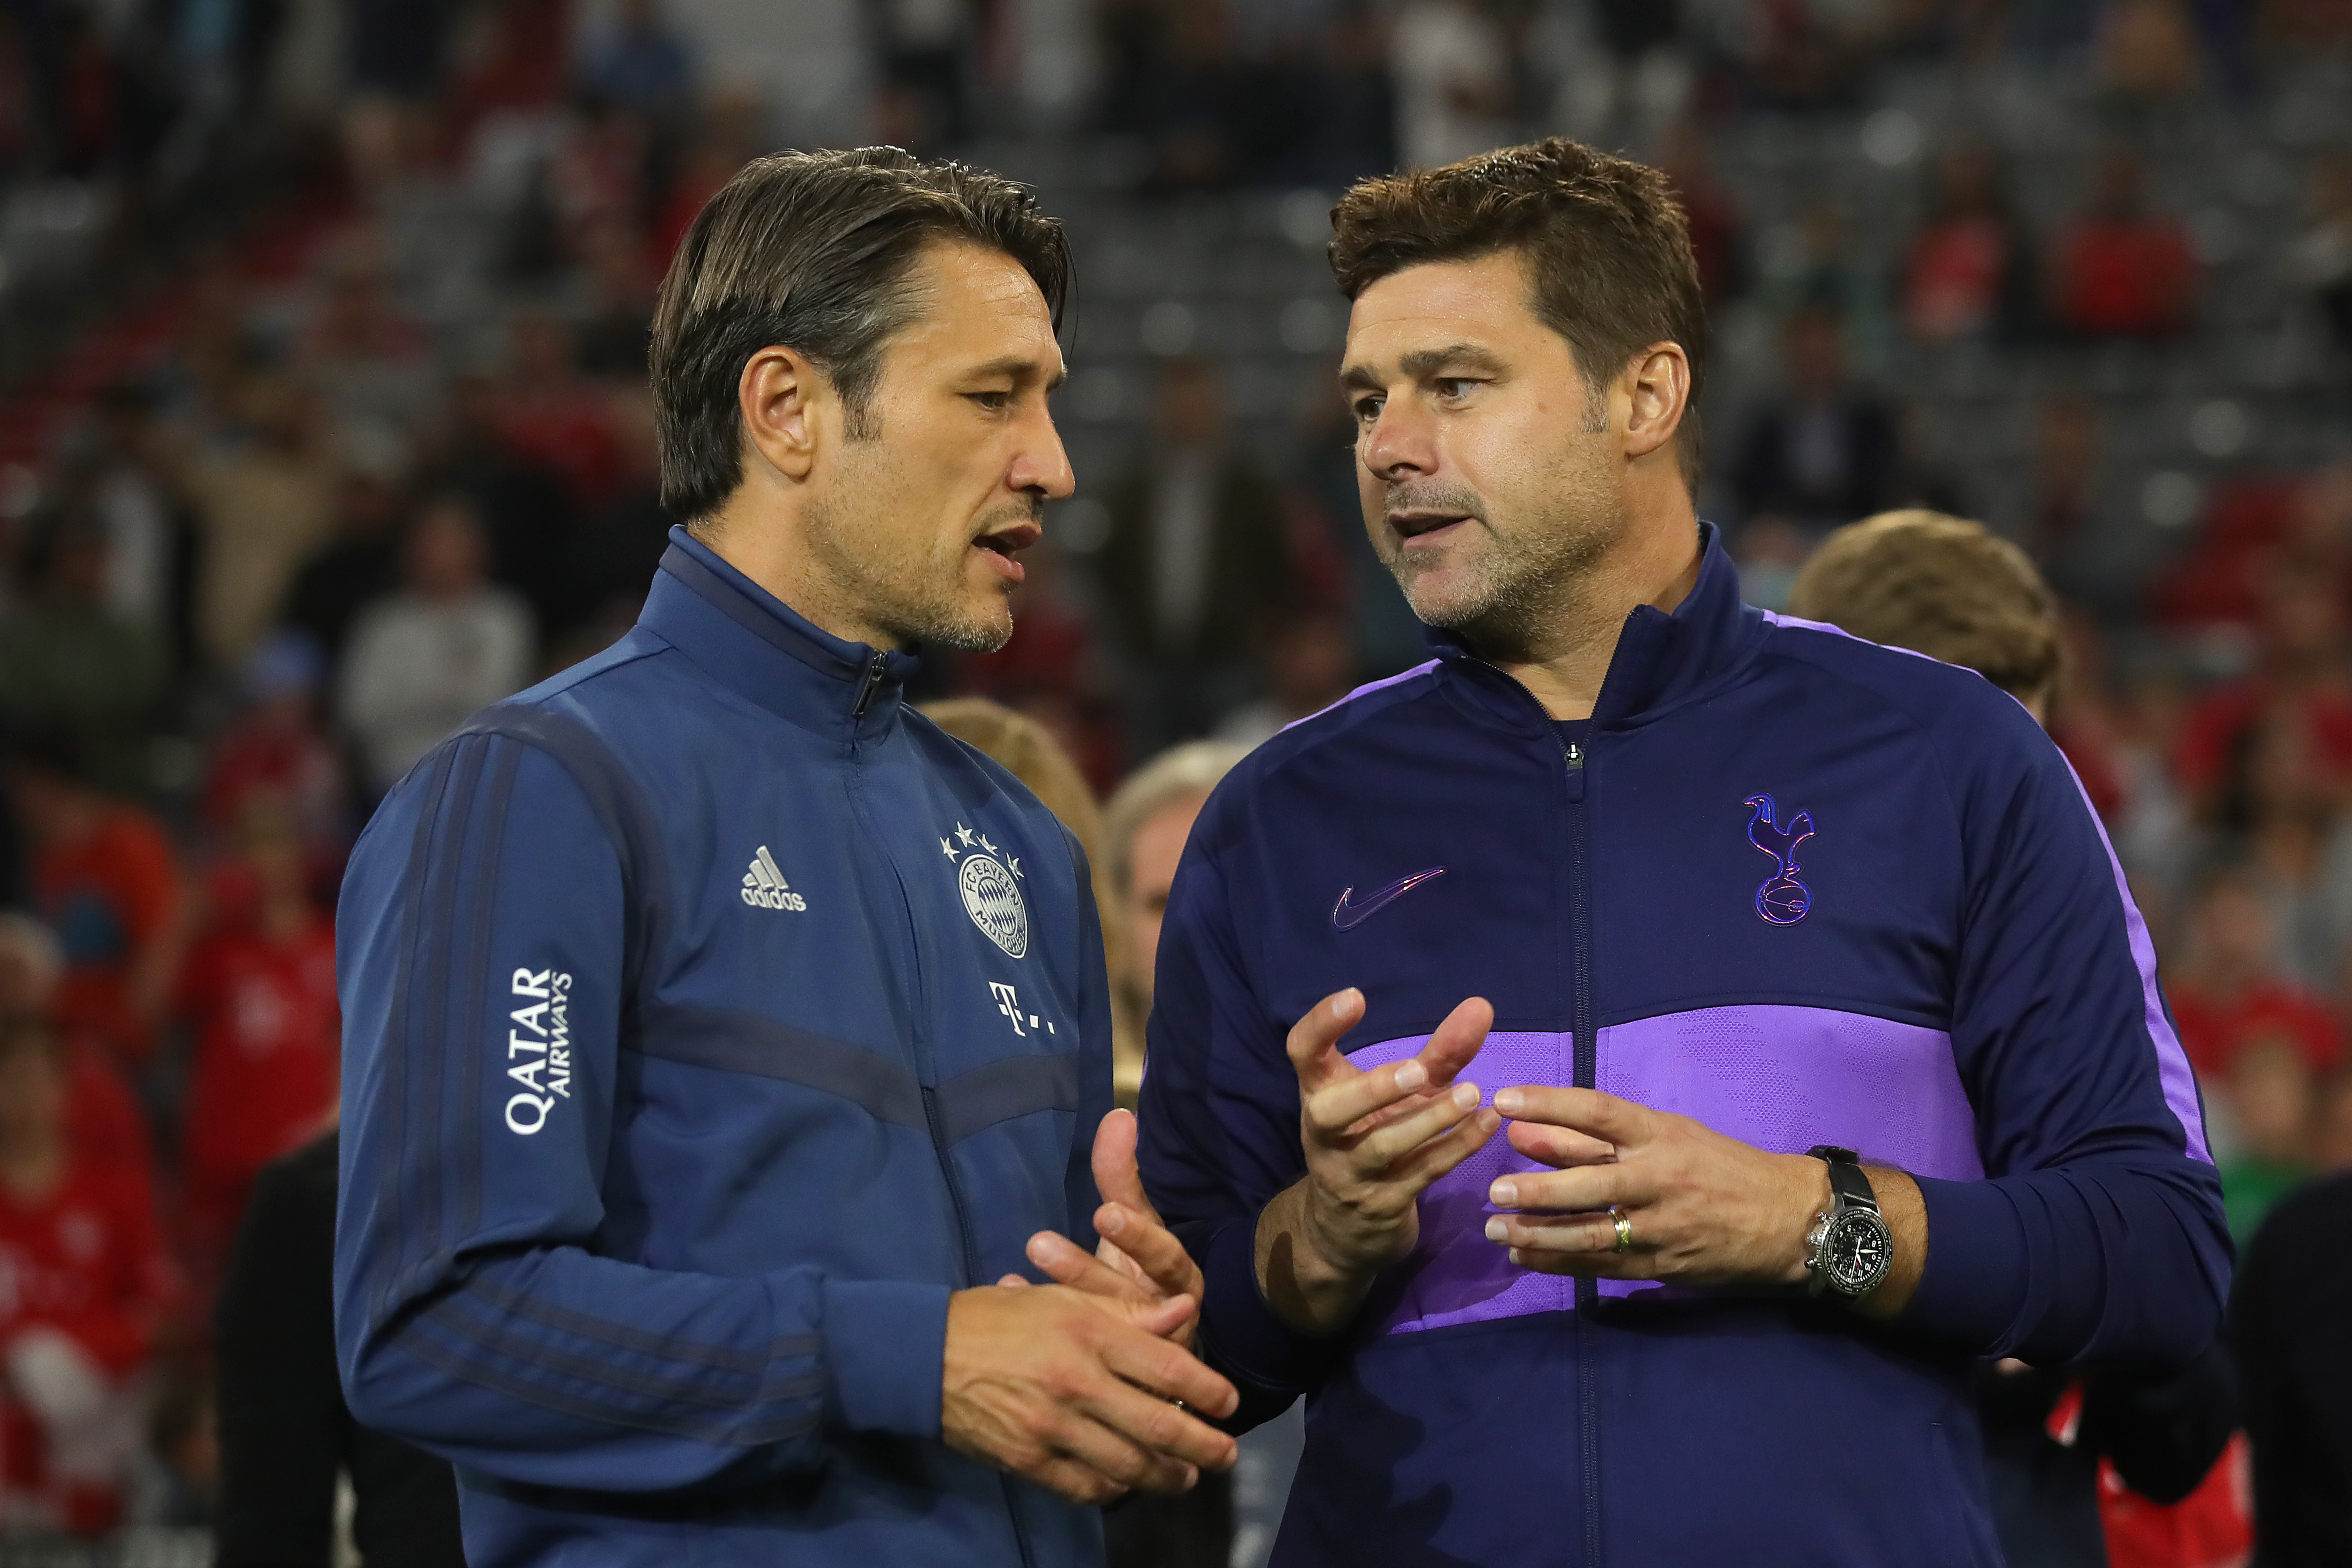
[1700,1208]
[1086,1386]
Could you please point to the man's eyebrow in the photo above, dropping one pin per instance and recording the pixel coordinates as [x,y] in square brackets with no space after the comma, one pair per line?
[1020,368]
[1422,364]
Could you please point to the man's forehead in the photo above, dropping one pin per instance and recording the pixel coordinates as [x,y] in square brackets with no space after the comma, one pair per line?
[980,308]
[1479,308]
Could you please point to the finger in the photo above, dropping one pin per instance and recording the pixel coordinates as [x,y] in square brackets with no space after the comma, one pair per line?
[1313,1042]
[1456,1040]
[1610,1264]
[1157,1426]
[1074,1482]
[1423,1165]
[1377,1149]
[1604,1116]
[1559,1146]
[1015,1279]
[1066,1263]
[1352,1098]
[1157,1367]
[1580,1232]
[1082,1434]
[1584,1187]
[1115,1176]
[1151,1246]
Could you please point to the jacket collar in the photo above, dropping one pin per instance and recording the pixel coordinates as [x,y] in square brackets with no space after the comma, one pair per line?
[1660,658]
[756,645]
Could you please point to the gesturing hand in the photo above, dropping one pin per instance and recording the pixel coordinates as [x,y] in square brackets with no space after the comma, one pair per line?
[1374,1141]
[1138,1258]
[1701,1208]
[1078,1394]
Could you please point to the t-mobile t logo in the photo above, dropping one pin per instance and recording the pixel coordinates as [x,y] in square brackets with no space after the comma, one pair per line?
[1008,1002]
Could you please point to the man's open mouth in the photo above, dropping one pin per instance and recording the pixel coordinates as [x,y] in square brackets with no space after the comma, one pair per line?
[1413,524]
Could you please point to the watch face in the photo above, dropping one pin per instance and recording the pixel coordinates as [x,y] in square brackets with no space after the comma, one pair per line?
[1857,1252]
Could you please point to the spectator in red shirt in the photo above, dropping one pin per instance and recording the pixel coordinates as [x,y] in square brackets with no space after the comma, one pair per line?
[1965,263]
[2232,994]
[86,1283]
[2119,270]
[279,753]
[102,1117]
[260,994]
[2300,677]
[106,880]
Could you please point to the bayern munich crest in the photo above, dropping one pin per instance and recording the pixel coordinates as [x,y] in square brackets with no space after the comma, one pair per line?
[991,889]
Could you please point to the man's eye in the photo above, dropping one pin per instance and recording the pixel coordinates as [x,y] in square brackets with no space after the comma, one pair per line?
[991,400]
[1366,410]
[1452,386]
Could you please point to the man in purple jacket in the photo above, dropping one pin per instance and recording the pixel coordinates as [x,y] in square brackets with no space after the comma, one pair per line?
[1733,897]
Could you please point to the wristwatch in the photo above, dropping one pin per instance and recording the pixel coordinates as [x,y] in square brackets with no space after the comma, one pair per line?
[1850,1249]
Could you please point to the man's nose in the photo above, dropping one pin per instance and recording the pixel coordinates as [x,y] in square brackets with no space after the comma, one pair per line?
[1398,443]
[1043,465]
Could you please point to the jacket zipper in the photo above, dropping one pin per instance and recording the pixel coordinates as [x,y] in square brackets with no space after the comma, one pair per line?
[934,1119]
[1586,1075]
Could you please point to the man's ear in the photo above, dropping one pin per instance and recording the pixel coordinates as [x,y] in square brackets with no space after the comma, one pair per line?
[1657,383]
[787,407]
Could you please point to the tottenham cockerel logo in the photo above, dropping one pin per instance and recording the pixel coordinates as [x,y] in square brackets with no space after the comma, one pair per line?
[991,894]
[1782,900]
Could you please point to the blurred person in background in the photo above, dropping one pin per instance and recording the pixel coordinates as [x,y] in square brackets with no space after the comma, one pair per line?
[359,560]
[2331,1124]
[2301,677]
[2120,268]
[1195,560]
[1306,664]
[87,1285]
[642,63]
[2291,1328]
[1451,63]
[106,880]
[1145,827]
[2267,1092]
[71,662]
[523,502]
[276,753]
[287,1436]
[2077,1456]
[103,1119]
[2319,262]
[2231,987]
[447,644]
[263,501]
[1969,268]
[258,993]
[1824,449]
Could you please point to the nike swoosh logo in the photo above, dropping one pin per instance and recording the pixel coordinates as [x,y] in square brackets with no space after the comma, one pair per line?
[1348,916]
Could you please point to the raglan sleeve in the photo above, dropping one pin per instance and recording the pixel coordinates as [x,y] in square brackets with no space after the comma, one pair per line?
[2098,1232]
[1219,1135]
[484,935]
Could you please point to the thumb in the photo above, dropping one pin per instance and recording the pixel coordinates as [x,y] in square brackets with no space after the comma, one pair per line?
[1158,1319]
[1115,1176]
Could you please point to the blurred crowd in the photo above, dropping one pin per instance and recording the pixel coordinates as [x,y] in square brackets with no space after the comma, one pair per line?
[385,455]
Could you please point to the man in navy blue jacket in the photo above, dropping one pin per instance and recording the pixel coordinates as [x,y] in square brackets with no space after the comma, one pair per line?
[715,1028]
[1733,897]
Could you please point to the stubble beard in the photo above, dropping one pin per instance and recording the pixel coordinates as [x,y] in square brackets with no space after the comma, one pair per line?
[1513,589]
[913,591]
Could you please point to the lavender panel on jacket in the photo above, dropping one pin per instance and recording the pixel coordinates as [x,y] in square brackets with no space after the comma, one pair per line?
[1779,1078]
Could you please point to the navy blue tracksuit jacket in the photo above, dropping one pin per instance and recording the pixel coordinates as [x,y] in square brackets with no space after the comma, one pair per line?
[709,1017]
[1801,887]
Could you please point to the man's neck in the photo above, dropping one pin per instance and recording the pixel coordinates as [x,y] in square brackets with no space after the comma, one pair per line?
[1564,663]
[775,559]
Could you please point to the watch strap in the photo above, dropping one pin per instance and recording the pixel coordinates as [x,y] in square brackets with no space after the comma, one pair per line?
[1849,1182]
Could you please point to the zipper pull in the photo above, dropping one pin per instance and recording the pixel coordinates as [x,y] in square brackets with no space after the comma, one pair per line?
[1575,774]
[874,670]
[1575,757]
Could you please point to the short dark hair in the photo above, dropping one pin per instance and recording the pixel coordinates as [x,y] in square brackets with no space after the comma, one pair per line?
[812,251]
[1605,239]
[1944,586]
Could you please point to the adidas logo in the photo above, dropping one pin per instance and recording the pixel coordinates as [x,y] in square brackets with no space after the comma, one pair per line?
[764,886]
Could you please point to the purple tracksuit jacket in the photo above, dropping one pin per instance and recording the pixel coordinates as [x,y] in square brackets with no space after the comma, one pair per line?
[1803,888]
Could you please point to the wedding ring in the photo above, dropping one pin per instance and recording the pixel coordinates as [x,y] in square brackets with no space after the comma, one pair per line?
[1624,1228]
